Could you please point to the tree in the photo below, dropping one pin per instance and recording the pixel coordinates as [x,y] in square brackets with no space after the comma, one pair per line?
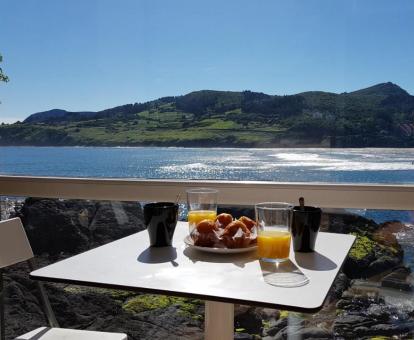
[3,77]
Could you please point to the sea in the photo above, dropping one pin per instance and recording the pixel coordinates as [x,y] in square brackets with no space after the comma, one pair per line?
[367,165]
[283,165]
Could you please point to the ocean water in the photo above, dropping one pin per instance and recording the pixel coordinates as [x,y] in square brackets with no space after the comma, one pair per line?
[285,165]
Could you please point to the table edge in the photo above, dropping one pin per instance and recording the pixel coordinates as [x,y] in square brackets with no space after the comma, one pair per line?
[178,294]
[315,309]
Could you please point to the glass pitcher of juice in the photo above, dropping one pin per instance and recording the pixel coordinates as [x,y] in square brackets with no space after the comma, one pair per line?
[202,205]
[274,238]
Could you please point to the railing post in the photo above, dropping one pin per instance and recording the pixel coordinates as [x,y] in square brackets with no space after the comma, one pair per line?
[2,323]
[47,308]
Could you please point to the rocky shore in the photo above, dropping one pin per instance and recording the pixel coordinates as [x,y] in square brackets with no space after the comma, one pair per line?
[370,299]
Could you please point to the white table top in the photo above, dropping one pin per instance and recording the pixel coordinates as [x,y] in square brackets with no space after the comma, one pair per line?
[129,264]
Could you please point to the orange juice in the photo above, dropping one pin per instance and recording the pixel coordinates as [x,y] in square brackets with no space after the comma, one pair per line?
[195,216]
[273,244]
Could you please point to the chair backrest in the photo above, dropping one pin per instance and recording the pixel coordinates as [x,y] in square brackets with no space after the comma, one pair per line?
[14,245]
[15,248]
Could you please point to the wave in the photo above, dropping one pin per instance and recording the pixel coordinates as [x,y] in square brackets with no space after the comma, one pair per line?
[300,157]
[335,161]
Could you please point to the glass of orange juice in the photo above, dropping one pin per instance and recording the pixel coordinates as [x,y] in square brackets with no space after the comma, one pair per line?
[273,239]
[202,205]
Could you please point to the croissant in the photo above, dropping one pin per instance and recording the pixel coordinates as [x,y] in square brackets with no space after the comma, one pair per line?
[206,226]
[223,220]
[234,226]
[248,222]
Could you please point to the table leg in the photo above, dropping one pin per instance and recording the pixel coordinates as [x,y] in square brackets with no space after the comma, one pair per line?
[219,321]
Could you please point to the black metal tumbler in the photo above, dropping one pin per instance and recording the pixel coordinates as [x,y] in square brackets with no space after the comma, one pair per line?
[160,220]
[305,227]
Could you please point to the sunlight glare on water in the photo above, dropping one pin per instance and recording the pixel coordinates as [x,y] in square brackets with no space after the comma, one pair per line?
[285,165]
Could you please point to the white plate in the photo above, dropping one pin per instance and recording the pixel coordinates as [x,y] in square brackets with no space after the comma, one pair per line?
[189,242]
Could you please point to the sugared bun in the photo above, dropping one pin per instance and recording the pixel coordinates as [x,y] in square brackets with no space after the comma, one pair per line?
[205,226]
[248,222]
[234,226]
[224,220]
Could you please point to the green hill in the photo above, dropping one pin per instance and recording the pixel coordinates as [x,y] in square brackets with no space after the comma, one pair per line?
[380,115]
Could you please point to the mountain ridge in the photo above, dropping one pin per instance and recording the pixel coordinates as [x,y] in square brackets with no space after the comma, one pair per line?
[55,114]
[379,115]
[387,88]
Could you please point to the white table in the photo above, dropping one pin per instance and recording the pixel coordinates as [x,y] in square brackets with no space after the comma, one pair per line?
[221,280]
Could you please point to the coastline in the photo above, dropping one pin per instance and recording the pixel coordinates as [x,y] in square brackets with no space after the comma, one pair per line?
[298,147]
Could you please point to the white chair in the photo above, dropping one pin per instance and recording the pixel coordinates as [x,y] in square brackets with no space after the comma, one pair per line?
[15,248]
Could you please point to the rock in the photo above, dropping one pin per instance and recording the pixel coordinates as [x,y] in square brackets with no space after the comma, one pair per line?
[359,258]
[398,279]
[350,325]
[358,302]
[360,331]
[21,301]
[385,234]
[298,332]
[365,316]
[379,312]
[166,323]
[92,309]
[114,220]
[340,284]
[243,336]
[249,319]
[383,264]
[339,221]
[376,249]
[276,327]
[313,333]
[270,314]
[287,332]
[392,329]
[367,258]
[54,226]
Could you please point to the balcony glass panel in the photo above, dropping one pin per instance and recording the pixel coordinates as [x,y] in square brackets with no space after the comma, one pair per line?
[371,298]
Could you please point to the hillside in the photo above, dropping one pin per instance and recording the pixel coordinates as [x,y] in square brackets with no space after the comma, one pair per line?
[380,115]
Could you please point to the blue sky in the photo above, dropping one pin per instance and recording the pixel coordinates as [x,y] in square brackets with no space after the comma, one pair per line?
[95,54]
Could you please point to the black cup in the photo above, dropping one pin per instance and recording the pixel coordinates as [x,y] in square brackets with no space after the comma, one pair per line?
[305,227]
[160,220]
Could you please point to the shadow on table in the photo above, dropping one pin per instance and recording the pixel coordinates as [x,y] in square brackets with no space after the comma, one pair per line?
[314,261]
[284,274]
[153,255]
[238,260]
